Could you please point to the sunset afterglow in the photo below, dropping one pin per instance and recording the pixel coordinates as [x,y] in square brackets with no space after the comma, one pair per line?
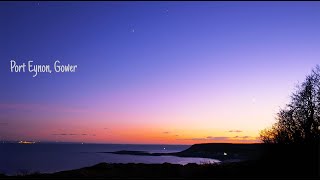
[152,72]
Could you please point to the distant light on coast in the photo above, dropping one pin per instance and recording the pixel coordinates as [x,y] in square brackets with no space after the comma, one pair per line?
[26,142]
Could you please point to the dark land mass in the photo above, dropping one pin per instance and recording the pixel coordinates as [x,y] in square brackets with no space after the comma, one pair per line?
[221,151]
[258,161]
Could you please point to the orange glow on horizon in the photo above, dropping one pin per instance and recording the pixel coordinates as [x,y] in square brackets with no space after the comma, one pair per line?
[147,135]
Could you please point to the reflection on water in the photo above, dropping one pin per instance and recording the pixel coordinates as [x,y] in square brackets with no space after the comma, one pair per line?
[58,157]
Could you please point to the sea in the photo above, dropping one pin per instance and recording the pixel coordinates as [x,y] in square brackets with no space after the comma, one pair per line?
[18,159]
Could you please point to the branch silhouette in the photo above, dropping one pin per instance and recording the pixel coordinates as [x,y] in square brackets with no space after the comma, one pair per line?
[299,121]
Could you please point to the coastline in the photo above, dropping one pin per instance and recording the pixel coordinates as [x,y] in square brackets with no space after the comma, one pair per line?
[224,152]
[265,161]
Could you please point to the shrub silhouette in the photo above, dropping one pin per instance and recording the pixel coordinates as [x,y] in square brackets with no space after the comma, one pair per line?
[299,121]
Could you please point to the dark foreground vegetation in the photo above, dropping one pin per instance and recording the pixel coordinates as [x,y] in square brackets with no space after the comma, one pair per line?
[299,121]
[273,161]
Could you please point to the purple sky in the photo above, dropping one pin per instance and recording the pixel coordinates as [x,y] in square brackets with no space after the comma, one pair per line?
[194,69]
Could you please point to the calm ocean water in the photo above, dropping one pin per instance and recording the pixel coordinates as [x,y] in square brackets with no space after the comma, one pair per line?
[16,158]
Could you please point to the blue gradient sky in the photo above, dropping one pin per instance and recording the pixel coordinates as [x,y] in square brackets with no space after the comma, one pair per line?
[153,72]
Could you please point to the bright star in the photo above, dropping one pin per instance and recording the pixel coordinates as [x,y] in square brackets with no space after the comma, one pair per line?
[253,100]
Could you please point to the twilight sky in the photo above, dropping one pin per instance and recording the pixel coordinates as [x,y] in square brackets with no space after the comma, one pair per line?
[153,72]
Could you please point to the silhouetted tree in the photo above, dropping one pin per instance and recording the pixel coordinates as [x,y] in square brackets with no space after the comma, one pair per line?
[299,121]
